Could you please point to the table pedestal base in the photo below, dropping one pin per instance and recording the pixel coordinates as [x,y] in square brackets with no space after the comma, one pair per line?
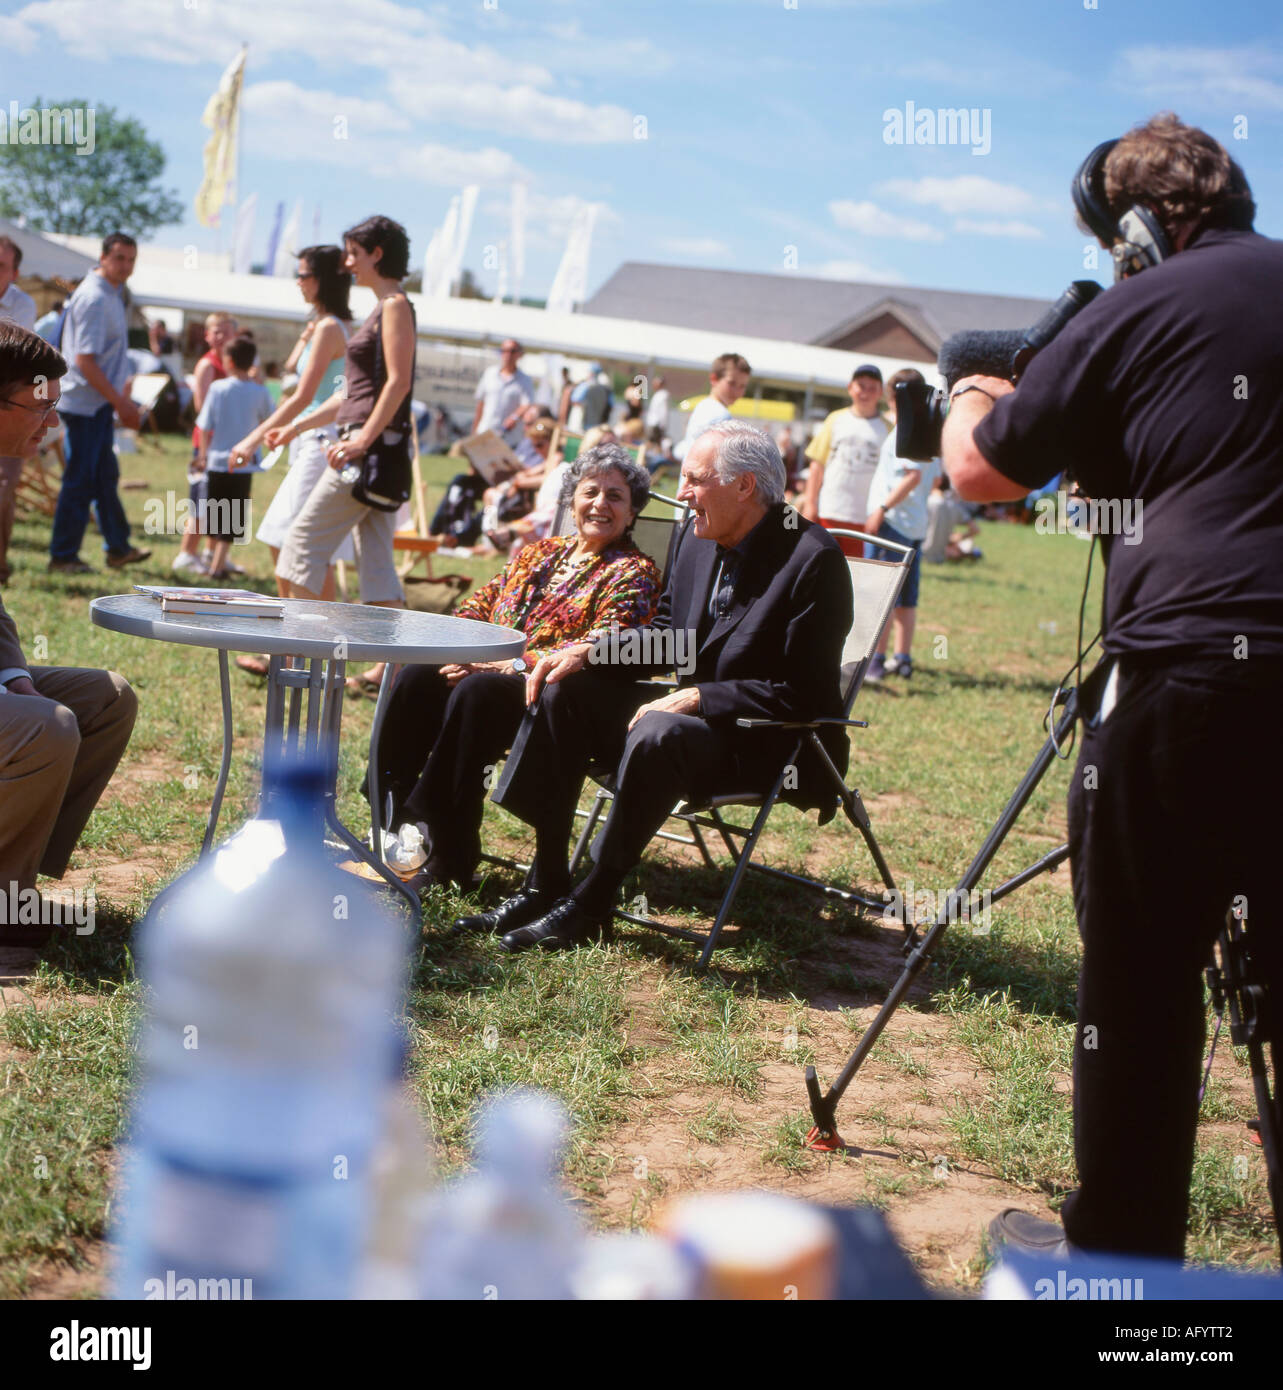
[294,729]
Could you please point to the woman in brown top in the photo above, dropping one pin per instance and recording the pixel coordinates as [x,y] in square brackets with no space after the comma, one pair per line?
[369,464]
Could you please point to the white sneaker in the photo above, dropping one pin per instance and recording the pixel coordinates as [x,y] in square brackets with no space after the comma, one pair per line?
[233,568]
[183,563]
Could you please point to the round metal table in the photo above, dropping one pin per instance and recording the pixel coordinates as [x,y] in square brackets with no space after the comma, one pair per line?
[308,650]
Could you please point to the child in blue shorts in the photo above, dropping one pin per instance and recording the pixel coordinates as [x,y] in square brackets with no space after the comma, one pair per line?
[898,512]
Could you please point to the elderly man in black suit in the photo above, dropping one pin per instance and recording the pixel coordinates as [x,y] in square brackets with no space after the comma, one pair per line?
[753,618]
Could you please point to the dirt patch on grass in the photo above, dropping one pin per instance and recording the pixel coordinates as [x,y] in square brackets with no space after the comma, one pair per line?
[84,1277]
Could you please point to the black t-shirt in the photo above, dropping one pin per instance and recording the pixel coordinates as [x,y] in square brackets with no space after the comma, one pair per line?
[1168,389]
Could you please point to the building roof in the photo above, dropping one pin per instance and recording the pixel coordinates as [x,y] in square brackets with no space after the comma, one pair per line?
[795,308]
[44,258]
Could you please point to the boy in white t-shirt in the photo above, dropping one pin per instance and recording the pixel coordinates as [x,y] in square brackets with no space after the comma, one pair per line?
[898,512]
[728,379]
[844,458]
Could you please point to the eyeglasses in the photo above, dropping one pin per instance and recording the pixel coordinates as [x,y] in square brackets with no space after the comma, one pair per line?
[305,275]
[41,410]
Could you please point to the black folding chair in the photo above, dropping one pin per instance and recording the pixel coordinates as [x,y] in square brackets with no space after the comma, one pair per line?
[875,586]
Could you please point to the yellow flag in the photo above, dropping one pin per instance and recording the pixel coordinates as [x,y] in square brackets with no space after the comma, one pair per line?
[222,117]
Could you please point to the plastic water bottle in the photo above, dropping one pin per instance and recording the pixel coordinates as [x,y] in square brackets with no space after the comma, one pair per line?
[269,1038]
[505,1231]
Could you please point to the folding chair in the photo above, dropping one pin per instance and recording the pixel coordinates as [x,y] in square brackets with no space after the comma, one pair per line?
[875,586]
[655,536]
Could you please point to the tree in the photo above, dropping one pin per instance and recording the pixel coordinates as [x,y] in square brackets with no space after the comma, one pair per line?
[112,187]
[468,287]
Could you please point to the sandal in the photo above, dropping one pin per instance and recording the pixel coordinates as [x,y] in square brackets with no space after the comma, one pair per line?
[358,687]
[255,665]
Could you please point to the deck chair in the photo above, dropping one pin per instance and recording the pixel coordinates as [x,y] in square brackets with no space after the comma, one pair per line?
[875,586]
[36,493]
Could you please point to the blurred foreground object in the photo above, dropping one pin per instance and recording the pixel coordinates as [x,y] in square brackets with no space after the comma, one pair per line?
[267,1053]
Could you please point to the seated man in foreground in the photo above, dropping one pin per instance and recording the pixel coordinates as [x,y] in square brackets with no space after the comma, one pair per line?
[753,618]
[62,730]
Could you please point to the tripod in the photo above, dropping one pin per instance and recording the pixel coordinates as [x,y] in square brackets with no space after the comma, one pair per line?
[1230,980]
[918,948]
[1231,977]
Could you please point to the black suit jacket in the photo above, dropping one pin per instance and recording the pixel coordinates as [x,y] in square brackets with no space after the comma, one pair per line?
[777,652]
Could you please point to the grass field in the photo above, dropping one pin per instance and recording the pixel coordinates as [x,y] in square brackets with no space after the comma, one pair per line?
[675,1081]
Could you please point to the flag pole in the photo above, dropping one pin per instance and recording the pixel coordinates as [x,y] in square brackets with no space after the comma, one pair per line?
[236,188]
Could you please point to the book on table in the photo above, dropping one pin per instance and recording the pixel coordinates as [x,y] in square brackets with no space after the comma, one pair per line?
[222,602]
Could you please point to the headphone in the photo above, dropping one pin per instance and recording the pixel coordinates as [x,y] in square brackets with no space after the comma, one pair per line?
[1136,240]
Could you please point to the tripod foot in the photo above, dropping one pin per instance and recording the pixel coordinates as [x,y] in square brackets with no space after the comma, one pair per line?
[824,1141]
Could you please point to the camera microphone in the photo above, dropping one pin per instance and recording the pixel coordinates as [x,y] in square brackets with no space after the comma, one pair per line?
[1005,353]
[976,352]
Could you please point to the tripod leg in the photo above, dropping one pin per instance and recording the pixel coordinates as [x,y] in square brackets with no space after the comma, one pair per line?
[824,1110]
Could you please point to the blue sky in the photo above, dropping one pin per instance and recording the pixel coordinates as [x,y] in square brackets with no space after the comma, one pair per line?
[764,120]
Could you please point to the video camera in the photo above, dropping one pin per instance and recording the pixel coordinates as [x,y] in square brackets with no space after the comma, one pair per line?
[920,409]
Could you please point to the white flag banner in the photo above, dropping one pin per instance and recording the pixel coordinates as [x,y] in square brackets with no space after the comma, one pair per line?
[222,117]
[243,250]
[288,247]
[517,240]
[570,284]
[462,231]
[501,290]
[445,253]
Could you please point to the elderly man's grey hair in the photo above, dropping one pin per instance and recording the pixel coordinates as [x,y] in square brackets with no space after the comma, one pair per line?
[607,458]
[743,449]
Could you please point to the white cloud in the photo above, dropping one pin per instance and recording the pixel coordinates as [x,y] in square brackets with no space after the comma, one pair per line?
[696,247]
[1207,76]
[334,33]
[521,111]
[16,36]
[870,220]
[854,270]
[967,193]
[1023,230]
[450,167]
[284,118]
[615,56]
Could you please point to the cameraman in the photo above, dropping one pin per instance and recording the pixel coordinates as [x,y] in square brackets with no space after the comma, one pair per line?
[1167,390]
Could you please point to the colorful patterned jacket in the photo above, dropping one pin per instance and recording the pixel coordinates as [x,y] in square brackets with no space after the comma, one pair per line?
[555,601]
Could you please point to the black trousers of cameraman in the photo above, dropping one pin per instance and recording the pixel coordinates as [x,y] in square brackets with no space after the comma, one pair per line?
[1176,808]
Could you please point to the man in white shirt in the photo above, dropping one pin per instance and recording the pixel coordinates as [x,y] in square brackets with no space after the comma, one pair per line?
[20,308]
[728,380]
[844,457]
[502,393]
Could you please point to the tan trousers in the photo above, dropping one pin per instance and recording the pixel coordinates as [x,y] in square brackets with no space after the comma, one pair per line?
[58,751]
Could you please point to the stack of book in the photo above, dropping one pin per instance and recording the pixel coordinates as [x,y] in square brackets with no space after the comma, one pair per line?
[239,603]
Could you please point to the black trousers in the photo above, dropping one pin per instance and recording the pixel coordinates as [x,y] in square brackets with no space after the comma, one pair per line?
[438,755]
[666,758]
[1174,812]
